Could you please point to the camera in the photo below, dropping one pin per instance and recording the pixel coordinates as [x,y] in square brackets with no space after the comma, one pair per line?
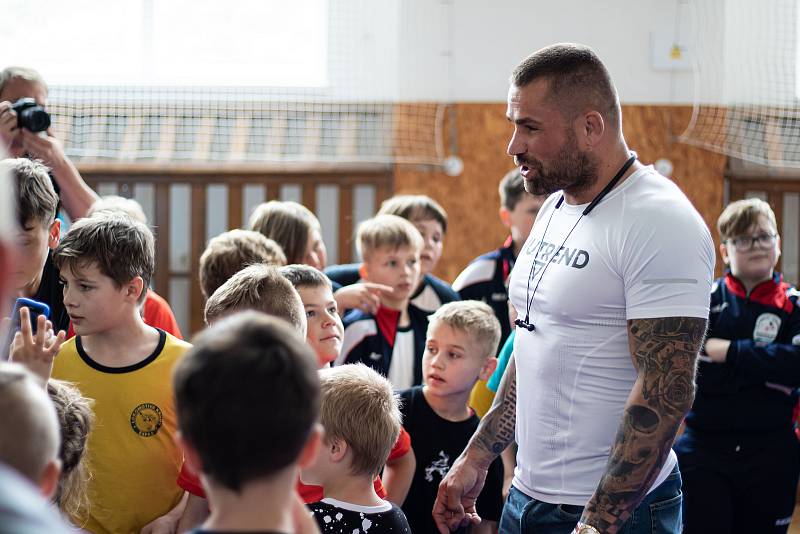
[31,115]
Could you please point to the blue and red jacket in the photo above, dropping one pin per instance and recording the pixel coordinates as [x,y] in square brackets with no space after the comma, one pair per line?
[486,279]
[754,393]
[369,339]
[431,294]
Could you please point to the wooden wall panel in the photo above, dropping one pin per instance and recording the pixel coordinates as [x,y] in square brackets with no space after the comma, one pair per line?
[472,201]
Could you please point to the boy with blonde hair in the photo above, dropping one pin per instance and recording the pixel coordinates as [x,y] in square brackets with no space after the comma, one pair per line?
[738,455]
[390,341]
[232,251]
[324,336]
[361,419]
[460,350]
[430,219]
[125,366]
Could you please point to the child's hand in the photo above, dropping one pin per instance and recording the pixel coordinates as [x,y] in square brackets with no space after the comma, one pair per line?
[366,296]
[302,518]
[717,349]
[36,352]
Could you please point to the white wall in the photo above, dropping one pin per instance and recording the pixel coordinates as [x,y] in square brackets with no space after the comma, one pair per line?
[487,39]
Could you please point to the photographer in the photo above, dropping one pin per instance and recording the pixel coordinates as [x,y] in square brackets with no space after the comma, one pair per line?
[21,82]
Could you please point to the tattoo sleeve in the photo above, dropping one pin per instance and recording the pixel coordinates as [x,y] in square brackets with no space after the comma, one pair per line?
[496,429]
[664,353]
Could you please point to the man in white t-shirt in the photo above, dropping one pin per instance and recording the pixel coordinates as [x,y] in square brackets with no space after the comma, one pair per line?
[612,291]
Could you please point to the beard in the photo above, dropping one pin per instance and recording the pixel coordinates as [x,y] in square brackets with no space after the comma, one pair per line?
[571,169]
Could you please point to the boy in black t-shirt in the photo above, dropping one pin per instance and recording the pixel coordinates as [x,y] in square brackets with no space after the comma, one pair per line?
[459,350]
[362,422]
[40,231]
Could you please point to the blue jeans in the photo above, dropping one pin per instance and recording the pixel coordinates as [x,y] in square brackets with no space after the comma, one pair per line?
[658,513]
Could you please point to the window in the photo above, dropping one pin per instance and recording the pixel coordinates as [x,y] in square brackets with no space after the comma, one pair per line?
[264,43]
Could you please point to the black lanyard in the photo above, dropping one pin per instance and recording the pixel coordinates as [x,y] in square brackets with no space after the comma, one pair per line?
[595,201]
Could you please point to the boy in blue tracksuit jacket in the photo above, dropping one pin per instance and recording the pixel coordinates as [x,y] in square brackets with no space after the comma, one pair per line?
[431,220]
[739,456]
[391,340]
[486,277]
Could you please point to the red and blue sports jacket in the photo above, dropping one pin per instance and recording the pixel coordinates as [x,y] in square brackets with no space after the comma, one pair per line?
[429,296]
[755,391]
[485,279]
[369,339]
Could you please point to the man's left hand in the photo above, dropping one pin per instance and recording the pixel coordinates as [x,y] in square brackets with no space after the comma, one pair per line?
[717,349]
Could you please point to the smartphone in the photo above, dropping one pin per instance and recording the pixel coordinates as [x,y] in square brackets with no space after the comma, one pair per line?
[36,309]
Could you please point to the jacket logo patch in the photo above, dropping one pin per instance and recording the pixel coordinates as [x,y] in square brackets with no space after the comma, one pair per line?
[499,297]
[375,356]
[719,307]
[767,326]
[146,419]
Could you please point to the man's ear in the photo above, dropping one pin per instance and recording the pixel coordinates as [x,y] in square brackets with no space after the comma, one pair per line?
[54,234]
[488,368]
[312,447]
[505,216]
[48,482]
[591,128]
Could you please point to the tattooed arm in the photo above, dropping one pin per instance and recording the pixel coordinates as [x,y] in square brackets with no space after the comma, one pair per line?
[664,353]
[458,491]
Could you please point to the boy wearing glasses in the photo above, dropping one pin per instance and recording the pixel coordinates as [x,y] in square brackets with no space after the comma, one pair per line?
[739,456]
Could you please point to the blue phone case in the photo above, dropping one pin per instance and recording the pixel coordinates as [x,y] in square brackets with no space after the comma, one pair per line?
[34,306]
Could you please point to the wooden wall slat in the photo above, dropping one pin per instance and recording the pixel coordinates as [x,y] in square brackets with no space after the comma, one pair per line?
[309,196]
[161,225]
[235,206]
[198,243]
[345,223]
[775,199]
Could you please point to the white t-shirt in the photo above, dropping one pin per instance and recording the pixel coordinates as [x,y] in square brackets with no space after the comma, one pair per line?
[401,369]
[643,252]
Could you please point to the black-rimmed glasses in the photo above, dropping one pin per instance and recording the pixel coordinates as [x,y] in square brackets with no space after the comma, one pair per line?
[747,242]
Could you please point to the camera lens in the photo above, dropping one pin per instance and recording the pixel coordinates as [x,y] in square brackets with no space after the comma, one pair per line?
[34,119]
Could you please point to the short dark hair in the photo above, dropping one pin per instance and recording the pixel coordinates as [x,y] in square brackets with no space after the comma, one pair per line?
[37,201]
[414,207]
[121,247]
[305,276]
[247,396]
[578,80]
[512,189]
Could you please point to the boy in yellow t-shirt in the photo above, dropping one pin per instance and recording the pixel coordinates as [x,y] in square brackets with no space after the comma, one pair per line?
[124,365]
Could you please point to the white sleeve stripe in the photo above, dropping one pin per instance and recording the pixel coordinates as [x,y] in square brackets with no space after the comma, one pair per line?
[480,270]
[353,335]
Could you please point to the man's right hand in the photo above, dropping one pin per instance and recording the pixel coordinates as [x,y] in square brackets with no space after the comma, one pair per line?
[455,502]
[8,125]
